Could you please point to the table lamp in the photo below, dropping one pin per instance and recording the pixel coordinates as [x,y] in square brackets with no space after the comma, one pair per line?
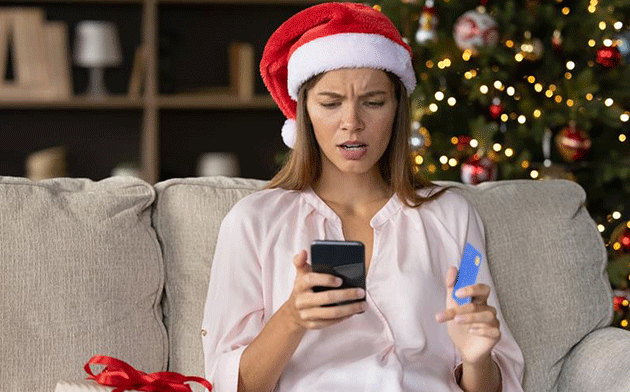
[97,46]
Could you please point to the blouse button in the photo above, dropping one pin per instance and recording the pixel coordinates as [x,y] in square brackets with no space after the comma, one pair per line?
[203,332]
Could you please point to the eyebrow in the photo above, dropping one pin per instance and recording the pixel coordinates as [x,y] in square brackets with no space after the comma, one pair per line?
[366,95]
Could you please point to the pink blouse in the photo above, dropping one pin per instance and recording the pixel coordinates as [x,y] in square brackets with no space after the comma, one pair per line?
[396,344]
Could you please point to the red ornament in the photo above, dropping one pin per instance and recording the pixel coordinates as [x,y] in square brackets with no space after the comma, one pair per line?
[608,56]
[572,143]
[463,142]
[478,169]
[621,238]
[496,110]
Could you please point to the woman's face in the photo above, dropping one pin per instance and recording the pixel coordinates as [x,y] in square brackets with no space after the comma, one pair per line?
[352,112]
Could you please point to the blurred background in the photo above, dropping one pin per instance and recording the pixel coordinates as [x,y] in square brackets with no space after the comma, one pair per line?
[159,89]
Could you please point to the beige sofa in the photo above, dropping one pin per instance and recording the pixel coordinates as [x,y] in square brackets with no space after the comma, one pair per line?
[120,268]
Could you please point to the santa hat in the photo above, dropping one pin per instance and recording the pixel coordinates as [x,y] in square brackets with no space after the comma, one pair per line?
[326,37]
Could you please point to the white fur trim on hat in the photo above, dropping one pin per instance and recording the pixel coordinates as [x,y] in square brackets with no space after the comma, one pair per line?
[289,133]
[349,50]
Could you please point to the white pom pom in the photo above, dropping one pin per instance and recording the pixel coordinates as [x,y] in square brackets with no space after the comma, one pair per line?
[289,133]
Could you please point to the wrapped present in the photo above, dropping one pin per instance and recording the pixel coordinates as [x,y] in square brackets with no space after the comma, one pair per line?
[118,376]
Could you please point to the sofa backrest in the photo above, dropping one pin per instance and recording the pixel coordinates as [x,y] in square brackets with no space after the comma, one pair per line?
[80,275]
[544,252]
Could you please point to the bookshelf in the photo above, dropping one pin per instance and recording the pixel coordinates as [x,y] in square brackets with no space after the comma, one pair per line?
[174,120]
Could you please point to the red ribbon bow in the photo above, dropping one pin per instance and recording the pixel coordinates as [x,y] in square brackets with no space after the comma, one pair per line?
[124,377]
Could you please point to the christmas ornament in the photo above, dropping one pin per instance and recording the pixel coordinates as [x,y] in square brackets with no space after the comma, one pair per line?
[477,169]
[550,170]
[427,24]
[474,30]
[621,236]
[572,143]
[618,303]
[608,56]
[531,48]
[463,142]
[496,109]
[556,40]
[623,44]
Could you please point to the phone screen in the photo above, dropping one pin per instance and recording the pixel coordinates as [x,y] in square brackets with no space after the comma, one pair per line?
[344,259]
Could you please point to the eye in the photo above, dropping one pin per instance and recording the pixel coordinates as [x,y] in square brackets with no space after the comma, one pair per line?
[330,105]
[375,104]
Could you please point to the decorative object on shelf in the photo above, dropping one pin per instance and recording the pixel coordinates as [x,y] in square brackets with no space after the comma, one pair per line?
[475,29]
[427,24]
[242,69]
[218,164]
[573,143]
[127,169]
[48,163]
[97,46]
[138,72]
[477,169]
[40,63]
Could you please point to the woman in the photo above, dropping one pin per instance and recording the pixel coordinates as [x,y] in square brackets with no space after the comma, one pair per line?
[342,71]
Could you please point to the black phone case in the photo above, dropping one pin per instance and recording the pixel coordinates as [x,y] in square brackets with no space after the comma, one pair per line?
[344,259]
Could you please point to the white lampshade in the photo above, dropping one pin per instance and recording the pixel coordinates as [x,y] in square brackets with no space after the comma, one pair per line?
[97,44]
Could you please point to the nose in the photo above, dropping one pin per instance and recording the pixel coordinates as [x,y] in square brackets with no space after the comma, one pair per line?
[351,120]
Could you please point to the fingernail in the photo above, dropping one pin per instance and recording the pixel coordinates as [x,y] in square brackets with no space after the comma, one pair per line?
[361,293]
[439,317]
[459,293]
[338,281]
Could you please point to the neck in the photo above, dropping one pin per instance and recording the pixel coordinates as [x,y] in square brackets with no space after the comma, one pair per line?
[350,189]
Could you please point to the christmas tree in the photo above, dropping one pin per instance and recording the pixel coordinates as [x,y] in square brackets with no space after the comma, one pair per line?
[527,89]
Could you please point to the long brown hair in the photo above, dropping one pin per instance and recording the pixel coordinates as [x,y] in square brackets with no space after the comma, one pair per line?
[303,165]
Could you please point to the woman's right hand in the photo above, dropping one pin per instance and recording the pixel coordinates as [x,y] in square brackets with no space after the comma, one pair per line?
[305,306]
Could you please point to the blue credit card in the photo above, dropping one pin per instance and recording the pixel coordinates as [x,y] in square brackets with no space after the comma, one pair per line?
[468,270]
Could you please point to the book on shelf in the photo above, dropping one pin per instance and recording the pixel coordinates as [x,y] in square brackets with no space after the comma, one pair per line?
[39,49]
[138,72]
[242,69]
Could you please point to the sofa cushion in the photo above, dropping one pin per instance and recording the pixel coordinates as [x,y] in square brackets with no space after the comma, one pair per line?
[81,275]
[547,260]
[187,216]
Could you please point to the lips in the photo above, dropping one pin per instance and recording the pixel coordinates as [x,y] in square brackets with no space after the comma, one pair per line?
[353,150]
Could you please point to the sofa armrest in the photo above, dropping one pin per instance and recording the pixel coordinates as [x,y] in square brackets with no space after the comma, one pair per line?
[598,363]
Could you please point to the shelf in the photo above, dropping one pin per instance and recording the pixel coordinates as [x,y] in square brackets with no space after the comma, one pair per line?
[79,102]
[214,101]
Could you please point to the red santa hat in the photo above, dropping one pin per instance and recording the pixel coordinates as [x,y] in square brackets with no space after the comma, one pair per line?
[326,37]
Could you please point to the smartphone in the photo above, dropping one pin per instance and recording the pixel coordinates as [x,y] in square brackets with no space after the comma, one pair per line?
[468,270]
[344,259]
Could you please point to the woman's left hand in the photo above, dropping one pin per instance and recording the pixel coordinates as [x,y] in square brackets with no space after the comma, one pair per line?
[474,327]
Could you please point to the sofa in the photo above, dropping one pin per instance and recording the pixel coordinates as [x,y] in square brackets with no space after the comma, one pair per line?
[120,267]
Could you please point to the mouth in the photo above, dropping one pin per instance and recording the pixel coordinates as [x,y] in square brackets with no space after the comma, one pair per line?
[352,146]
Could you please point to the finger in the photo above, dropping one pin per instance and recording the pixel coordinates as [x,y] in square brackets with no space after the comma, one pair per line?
[451,277]
[332,312]
[479,292]
[307,281]
[484,317]
[320,324]
[449,314]
[329,297]
[494,333]
[299,261]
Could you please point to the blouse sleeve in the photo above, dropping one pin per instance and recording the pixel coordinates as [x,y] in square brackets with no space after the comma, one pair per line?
[233,310]
[506,353]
